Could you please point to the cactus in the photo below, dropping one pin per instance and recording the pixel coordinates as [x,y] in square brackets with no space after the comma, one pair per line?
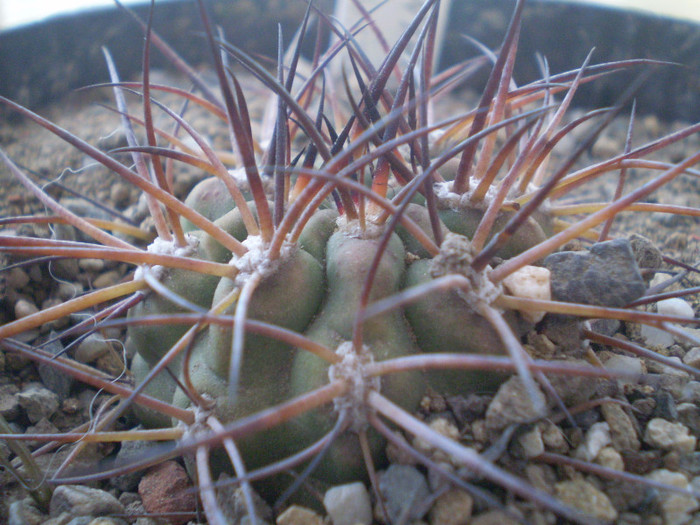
[297,304]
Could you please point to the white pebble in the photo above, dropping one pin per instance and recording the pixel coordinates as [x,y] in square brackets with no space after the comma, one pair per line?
[91,349]
[348,504]
[675,508]
[675,306]
[692,358]
[656,337]
[597,437]
[531,443]
[530,282]
[669,436]
[24,307]
[626,364]
[610,458]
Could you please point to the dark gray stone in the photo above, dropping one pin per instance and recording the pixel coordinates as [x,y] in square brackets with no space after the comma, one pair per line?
[647,255]
[665,406]
[404,490]
[58,382]
[131,451]
[606,275]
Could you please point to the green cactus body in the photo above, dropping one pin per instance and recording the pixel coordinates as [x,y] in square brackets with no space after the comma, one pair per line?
[418,214]
[348,261]
[465,221]
[152,342]
[315,289]
[299,278]
[266,362]
[444,322]
[162,387]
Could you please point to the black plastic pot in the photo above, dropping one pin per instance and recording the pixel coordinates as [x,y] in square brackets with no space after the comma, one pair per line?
[41,62]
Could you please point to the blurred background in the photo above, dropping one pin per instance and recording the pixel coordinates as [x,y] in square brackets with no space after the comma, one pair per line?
[18,12]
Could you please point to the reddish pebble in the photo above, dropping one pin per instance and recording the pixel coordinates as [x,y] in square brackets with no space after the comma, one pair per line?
[164,489]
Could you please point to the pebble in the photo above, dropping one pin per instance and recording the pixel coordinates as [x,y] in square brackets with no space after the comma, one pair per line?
[444,427]
[541,477]
[120,194]
[531,282]
[91,265]
[78,500]
[16,278]
[43,426]
[65,268]
[69,290]
[597,437]
[91,349]
[647,255]
[296,515]
[641,462]
[623,433]
[675,508]
[531,442]
[512,404]
[348,504]
[669,436]
[574,390]
[690,463]
[626,364]
[403,488]
[106,279]
[691,392]
[692,357]
[665,406]
[605,275]
[9,402]
[583,496]
[38,401]
[129,452]
[25,512]
[689,415]
[672,380]
[164,488]
[657,337]
[553,438]
[56,324]
[674,306]
[452,508]
[232,502]
[668,370]
[24,307]
[610,458]
[58,382]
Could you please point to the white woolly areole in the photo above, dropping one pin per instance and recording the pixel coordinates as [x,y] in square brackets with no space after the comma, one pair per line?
[455,258]
[162,247]
[446,198]
[201,414]
[239,176]
[352,370]
[257,259]
[353,228]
